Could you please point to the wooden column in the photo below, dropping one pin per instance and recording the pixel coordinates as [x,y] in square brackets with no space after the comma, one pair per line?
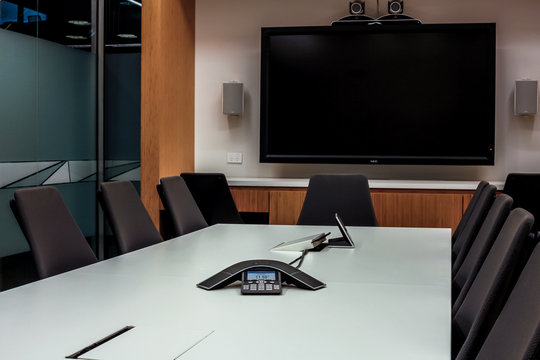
[167,94]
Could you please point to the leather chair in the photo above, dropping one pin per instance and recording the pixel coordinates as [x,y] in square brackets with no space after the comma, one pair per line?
[464,241]
[525,190]
[463,276]
[213,197]
[516,332]
[127,216]
[489,290]
[481,186]
[180,207]
[345,194]
[56,241]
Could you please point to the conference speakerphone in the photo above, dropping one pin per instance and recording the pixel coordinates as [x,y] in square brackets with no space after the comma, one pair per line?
[262,273]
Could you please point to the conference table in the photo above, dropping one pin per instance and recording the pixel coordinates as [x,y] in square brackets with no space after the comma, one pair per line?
[388,298]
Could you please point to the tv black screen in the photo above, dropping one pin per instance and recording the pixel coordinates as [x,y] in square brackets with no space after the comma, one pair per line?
[379,94]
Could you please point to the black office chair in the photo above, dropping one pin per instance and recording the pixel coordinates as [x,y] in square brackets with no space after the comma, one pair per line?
[467,214]
[463,276]
[345,194]
[213,197]
[470,230]
[127,216]
[57,243]
[179,205]
[486,203]
[489,290]
[516,332]
[525,190]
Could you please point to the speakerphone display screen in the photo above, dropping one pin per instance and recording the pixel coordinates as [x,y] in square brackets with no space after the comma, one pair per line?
[261,275]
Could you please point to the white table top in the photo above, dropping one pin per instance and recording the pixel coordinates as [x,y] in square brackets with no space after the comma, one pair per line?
[387,299]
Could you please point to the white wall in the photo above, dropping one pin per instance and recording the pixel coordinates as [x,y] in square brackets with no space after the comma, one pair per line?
[227,47]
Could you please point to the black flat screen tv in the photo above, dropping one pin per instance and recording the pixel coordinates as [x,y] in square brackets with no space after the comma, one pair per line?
[378,94]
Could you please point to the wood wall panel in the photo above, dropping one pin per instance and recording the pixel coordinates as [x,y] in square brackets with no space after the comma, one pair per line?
[167,94]
[418,209]
[402,208]
[250,199]
[285,206]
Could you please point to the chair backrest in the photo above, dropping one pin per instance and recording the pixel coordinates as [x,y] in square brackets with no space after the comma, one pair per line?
[470,230]
[213,197]
[490,288]
[464,275]
[345,194]
[57,243]
[525,190]
[127,216]
[516,332]
[180,207]
[467,214]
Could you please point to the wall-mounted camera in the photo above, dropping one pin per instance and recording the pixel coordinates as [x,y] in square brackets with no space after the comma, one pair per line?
[357,15]
[395,7]
[357,8]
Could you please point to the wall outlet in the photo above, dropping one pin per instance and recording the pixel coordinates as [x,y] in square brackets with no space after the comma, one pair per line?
[234,157]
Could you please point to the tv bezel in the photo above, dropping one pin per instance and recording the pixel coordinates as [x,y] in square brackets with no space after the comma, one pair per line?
[265,157]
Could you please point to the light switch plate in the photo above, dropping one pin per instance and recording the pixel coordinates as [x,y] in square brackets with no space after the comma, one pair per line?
[234,157]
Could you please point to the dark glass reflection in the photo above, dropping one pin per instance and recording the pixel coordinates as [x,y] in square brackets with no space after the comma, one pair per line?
[64,22]
[122,80]
[69,22]
[122,23]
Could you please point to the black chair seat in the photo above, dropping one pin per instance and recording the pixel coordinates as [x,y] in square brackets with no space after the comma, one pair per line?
[464,241]
[180,206]
[213,197]
[463,276]
[516,332]
[345,194]
[525,190]
[127,216]
[489,290]
[472,204]
[57,243]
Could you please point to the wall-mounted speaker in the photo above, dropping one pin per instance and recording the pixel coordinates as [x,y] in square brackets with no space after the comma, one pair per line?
[526,97]
[395,7]
[233,98]
[357,7]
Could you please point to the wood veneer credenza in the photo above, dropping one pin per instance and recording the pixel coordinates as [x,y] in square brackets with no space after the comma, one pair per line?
[409,206]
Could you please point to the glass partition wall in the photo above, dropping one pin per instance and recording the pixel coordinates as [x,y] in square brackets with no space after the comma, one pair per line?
[122,95]
[66,101]
[122,88]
